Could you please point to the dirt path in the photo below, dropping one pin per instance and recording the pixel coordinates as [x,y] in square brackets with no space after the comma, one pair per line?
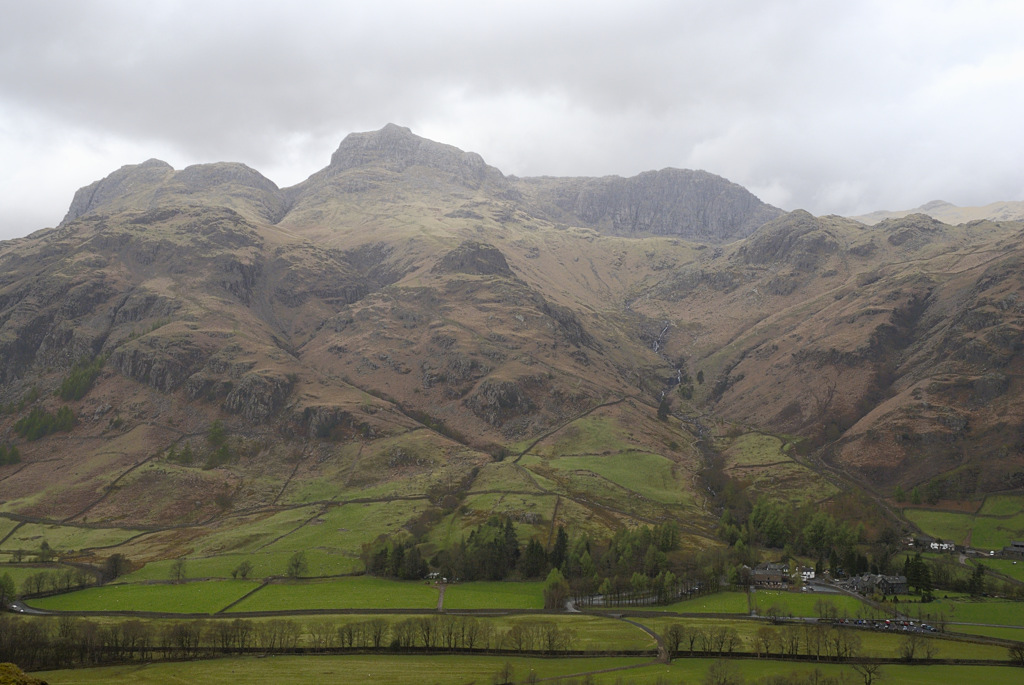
[440,596]
[663,654]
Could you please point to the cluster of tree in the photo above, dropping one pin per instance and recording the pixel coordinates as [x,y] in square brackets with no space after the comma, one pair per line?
[220,454]
[399,558]
[919,576]
[40,423]
[632,567]
[79,380]
[802,529]
[491,552]
[219,450]
[185,456]
[72,641]
[62,580]
[9,454]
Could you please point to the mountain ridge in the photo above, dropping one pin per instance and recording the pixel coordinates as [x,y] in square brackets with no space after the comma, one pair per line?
[390,330]
[703,206]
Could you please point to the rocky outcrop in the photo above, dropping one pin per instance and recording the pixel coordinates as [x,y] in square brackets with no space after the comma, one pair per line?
[693,205]
[258,395]
[498,402]
[161,362]
[476,259]
[797,238]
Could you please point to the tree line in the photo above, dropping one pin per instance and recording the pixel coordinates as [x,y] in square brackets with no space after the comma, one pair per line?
[71,641]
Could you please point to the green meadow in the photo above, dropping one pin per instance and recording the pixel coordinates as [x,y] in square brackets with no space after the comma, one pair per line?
[718,603]
[207,597]
[458,670]
[999,521]
[809,604]
[30,537]
[494,595]
[358,592]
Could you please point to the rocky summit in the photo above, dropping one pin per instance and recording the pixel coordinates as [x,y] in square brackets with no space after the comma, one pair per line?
[411,324]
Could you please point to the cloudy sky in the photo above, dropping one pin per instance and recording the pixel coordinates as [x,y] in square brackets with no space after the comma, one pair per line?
[833,106]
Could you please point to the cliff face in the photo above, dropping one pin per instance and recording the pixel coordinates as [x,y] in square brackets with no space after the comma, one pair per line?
[692,205]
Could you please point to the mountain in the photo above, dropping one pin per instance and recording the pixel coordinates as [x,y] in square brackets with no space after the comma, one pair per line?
[411,328]
[951,214]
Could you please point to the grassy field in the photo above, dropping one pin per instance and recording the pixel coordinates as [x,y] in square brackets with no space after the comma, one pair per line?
[650,475]
[484,595]
[995,533]
[761,461]
[943,525]
[594,434]
[755,449]
[458,670]
[806,604]
[1013,569]
[997,612]
[185,598]
[1002,505]
[999,521]
[395,670]
[6,526]
[718,603]
[1016,634]
[330,537]
[64,538]
[358,592]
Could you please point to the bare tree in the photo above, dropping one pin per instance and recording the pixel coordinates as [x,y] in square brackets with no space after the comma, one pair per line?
[910,646]
[178,569]
[869,672]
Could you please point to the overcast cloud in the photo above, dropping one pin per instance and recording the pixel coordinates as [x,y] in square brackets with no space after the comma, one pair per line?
[836,107]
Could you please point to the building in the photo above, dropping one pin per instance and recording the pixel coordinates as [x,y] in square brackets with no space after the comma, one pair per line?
[942,546]
[1014,549]
[870,583]
[770,575]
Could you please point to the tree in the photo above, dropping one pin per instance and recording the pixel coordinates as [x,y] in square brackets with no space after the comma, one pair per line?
[534,560]
[117,565]
[674,637]
[664,408]
[1017,653]
[556,590]
[178,570]
[561,548]
[7,590]
[297,565]
[216,435]
[723,672]
[505,675]
[911,644]
[869,672]
[242,570]
[976,585]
